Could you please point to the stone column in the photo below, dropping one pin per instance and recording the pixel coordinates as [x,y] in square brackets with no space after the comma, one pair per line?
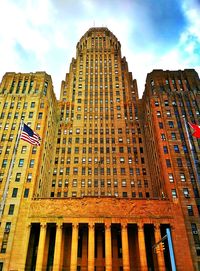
[142,248]
[58,247]
[125,249]
[108,247]
[160,255]
[41,246]
[91,243]
[74,247]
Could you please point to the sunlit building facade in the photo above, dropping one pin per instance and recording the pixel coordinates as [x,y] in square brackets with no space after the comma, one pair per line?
[114,173]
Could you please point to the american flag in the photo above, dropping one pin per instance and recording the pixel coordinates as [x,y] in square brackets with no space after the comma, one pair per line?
[27,134]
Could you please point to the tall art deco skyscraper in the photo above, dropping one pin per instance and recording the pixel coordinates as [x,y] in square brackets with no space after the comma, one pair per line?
[115,182]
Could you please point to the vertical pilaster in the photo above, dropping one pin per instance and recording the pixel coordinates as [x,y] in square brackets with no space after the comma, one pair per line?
[125,249]
[41,245]
[25,244]
[160,255]
[58,246]
[74,247]
[108,247]
[142,248]
[91,243]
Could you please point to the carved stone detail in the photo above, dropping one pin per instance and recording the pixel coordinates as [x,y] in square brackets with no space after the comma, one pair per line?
[100,207]
[107,226]
[91,226]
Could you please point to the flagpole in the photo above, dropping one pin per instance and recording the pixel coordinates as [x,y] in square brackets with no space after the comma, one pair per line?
[191,148]
[2,205]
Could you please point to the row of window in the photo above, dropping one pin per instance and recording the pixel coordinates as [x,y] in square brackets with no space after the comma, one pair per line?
[90,160]
[100,183]
[20,163]
[174,103]
[99,170]
[23,149]
[19,105]
[99,193]
[16,116]
[171,177]
[15,192]
[185,193]
[101,131]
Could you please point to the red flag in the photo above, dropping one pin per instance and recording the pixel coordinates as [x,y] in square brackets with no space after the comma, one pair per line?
[196,129]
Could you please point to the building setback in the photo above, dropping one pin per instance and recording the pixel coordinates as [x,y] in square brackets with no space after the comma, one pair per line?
[114,173]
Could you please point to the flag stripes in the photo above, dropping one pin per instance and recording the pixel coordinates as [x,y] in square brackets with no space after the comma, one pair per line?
[28,135]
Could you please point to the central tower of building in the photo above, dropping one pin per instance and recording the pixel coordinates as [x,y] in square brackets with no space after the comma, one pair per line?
[99,138]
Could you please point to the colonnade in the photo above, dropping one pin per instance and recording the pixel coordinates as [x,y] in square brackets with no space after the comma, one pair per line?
[90,257]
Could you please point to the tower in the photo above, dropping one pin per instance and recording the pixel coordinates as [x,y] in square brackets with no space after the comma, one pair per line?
[99,195]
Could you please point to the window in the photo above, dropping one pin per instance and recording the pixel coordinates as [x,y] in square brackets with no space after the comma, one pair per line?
[171,177]
[174,194]
[67,171]
[30,115]
[158,114]
[165,149]
[168,113]
[74,183]
[4,163]
[123,183]
[40,115]
[168,163]
[76,160]
[11,209]
[179,162]
[14,192]
[124,194]
[140,194]
[42,105]
[133,194]
[6,126]
[75,170]
[122,160]
[163,137]
[176,148]
[29,177]
[17,177]
[21,163]
[173,135]
[171,124]
[32,104]
[186,192]
[190,210]
[74,194]
[160,125]
[23,150]
[26,192]
[182,176]
[31,163]
[7,150]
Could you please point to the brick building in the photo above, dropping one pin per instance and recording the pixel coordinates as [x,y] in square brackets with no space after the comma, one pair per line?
[113,172]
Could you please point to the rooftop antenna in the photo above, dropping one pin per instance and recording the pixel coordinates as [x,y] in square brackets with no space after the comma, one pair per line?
[94,23]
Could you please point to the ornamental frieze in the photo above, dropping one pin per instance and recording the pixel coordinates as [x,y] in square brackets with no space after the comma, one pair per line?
[99,207]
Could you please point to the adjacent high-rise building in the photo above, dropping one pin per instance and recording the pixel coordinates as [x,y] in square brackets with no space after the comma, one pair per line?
[115,183]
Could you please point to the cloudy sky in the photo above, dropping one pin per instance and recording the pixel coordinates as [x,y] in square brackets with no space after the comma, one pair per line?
[41,35]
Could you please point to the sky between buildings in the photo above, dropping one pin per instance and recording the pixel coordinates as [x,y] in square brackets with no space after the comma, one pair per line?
[41,35]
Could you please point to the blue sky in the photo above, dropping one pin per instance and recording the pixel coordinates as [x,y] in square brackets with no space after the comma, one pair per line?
[41,35]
